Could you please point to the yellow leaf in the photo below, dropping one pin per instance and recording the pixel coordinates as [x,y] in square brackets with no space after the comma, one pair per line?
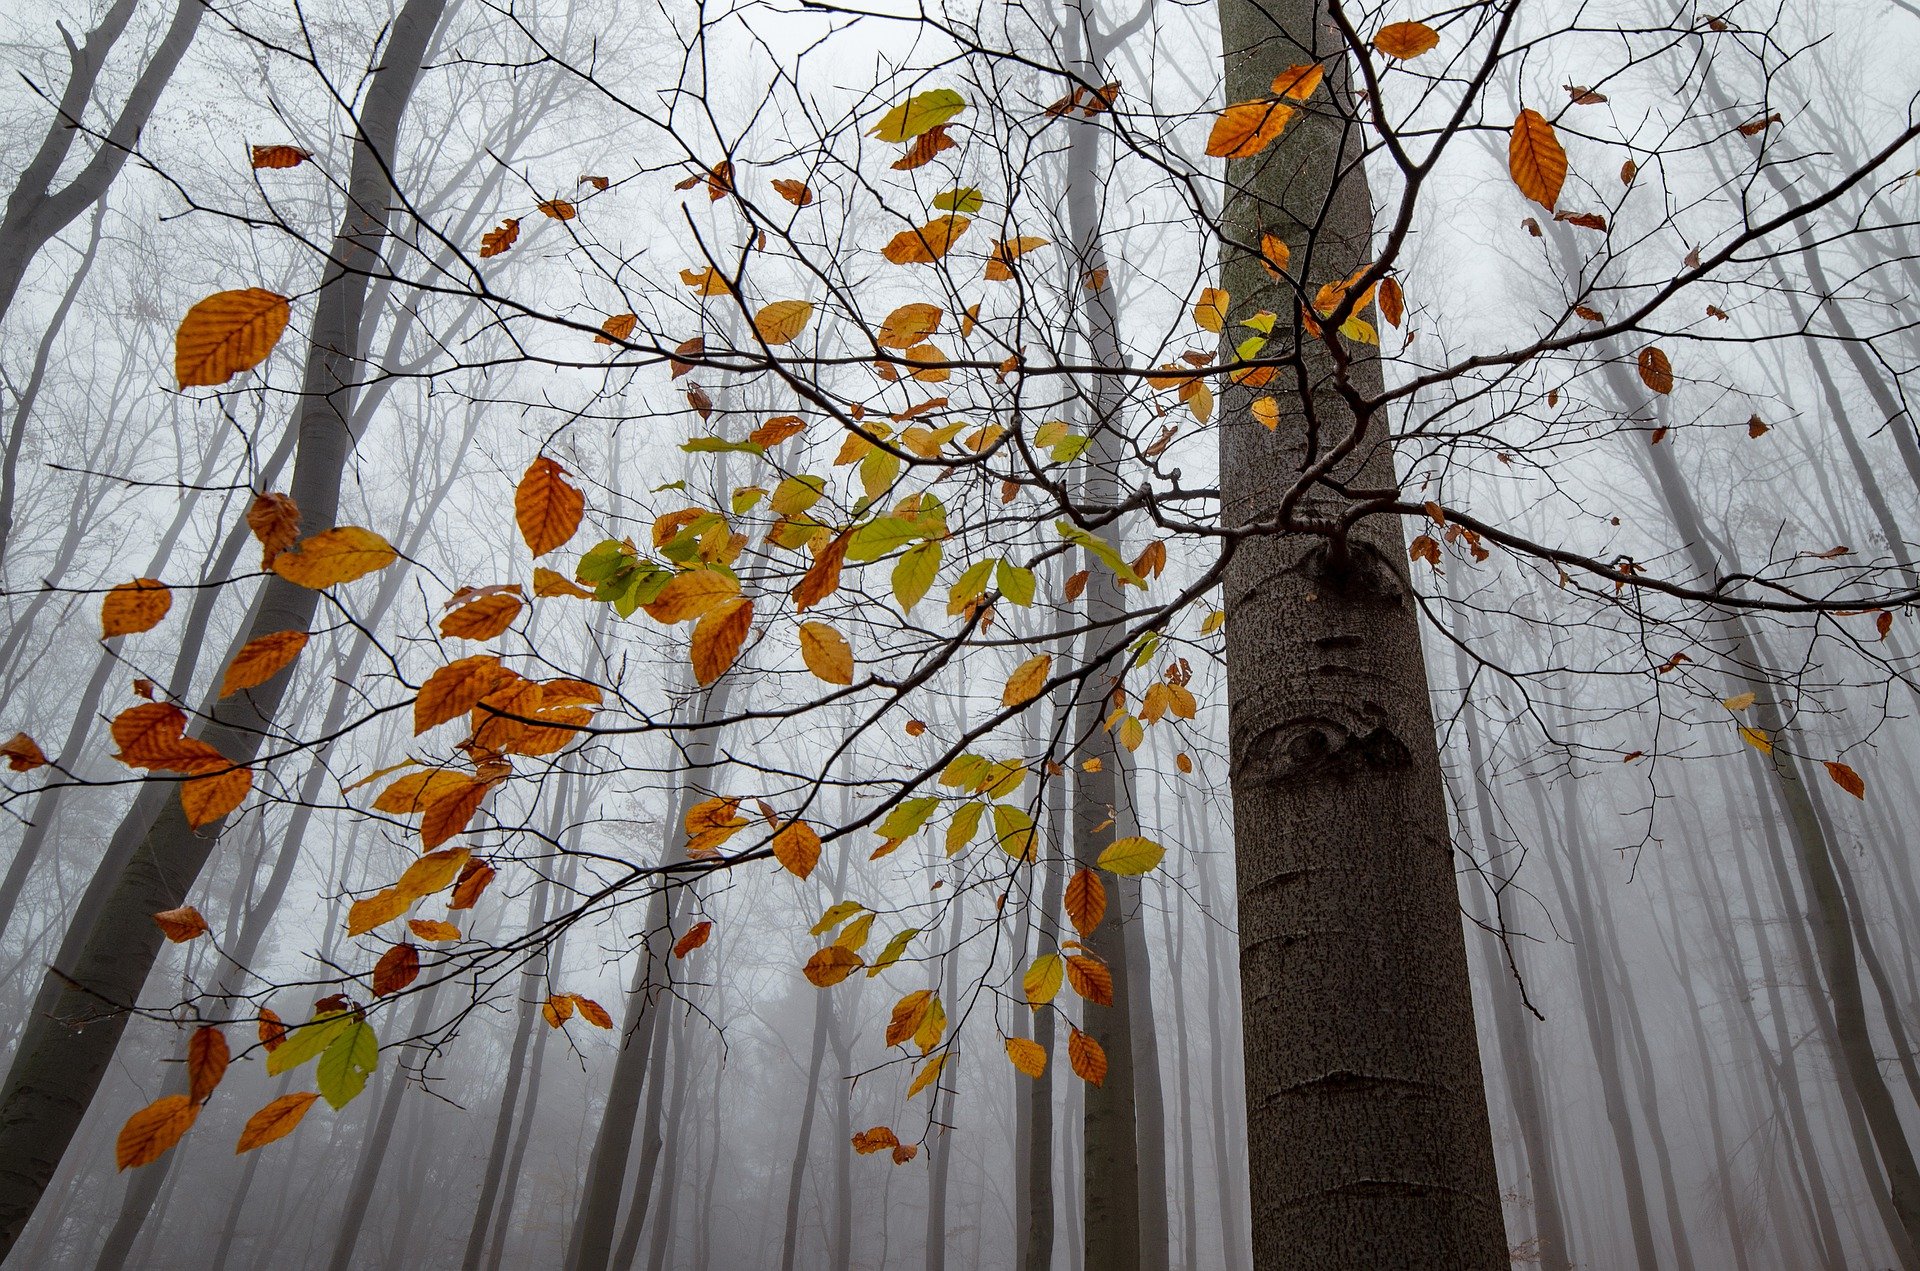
[1266,413]
[1246,128]
[1043,978]
[431,873]
[692,594]
[547,582]
[797,847]
[134,607]
[718,638]
[920,113]
[546,508]
[151,1131]
[783,320]
[1535,159]
[1211,311]
[928,1075]
[1131,856]
[482,619]
[333,557]
[275,1121]
[1030,1057]
[1027,680]
[1757,738]
[432,929]
[371,911]
[908,1014]
[227,333]
[1405,39]
[1739,702]
[827,653]
[261,659]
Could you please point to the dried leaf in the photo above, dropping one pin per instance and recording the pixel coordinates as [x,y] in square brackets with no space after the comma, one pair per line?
[718,638]
[500,237]
[1847,779]
[281,156]
[697,935]
[397,968]
[797,847]
[1655,371]
[151,1131]
[1028,680]
[1086,900]
[181,925]
[134,607]
[826,652]
[261,659]
[333,557]
[207,1059]
[227,333]
[482,619]
[546,508]
[275,521]
[23,753]
[1246,128]
[1535,160]
[831,965]
[1088,1059]
[1030,1057]
[1405,40]
[275,1121]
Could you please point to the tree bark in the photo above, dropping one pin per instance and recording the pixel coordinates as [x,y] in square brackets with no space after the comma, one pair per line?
[1367,1121]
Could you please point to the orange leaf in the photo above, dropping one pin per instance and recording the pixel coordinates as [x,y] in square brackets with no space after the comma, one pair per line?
[924,148]
[548,583]
[692,593]
[134,607]
[1027,680]
[209,798]
[455,689]
[449,814]
[831,965]
[797,847]
[822,578]
[397,968]
[500,237]
[1086,900]
[1391,303]
[180,925]
[1090,979]
[227,333]
[782,321]
[1535,159]
[272,1030]
[261,660]
[371,911]
[1298,82]
[207,1058]
[546,507]
[592,1012]
[718,637]
[1085,1054]
[275,1121]
[1005,252]
[151,1131]
[280,156]
[908,325]
[433,930]
[1028,1056]
[696,936]
[908,1014]
[558,209]
[928,243]
[1405,39]
[333,557]
[482,619]
[617,327]
[878,1139]
[1246,128]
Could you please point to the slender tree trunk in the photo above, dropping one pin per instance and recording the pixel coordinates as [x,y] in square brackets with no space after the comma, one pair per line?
[1367,1120]
[64,1055]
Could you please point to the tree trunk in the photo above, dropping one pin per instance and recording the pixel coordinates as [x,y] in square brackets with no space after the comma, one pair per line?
[64,1054]
[1367,1119]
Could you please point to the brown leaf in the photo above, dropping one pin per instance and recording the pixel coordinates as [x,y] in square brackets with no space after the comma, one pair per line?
[1584,96]
[1756,428]
[1535,160]
[908,1014]
[227,333]
[1405,40]
[275,1121]
[697,935]
[558,209]
[1391,303]
[617,327]
[275,521]
[878,1139]
[397,968]
[794,192]
[207,799]
[207,1058]
[592,1012]
[1089,1060]
[261,659]
[474,877]
[500,237]
[1755,126]
[1585,220]
[831,965]
[272,1030]
[23,753]
[822,578]
[546,507]
[1086,900]
[1847,779]
[449,814]
[924,148]
[151,1131]
[1655,371]
[180,925]
[134,607]
[280,156]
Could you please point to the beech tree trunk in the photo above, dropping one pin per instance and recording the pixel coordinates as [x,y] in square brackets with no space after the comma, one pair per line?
[1367,1121]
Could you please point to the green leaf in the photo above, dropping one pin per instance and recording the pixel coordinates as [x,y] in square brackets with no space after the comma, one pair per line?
[906,819]
[642,588]
[913,575]
[1014,582]
[878,471]
[1003,779]
[1145,647]
[1131,856]
[1100,548]
[878,537]
[971,585]
[746,498]
[891,954]
[796,494]
[306,1041]
[1071,447]
[1013,827]
[965,824]
[343,1070]
[966,772]
[721,446]
[604,560]
[965,199]
[920,113]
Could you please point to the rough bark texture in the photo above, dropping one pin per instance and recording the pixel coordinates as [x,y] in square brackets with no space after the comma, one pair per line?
[65,1051]
[1367,1121]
